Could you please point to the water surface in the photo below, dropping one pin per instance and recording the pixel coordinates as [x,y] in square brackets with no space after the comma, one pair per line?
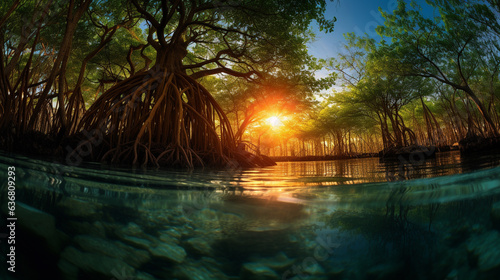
[348,219]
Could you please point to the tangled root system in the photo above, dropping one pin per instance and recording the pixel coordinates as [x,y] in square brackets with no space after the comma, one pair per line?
[161,118]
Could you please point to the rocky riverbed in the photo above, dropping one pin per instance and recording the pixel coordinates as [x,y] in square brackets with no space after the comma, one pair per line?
[253,238]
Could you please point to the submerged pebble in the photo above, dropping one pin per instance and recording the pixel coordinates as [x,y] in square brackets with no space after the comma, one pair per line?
[134,257]
[95,263]
[200,245]
[169,252]
[258,271]
[484,250]
[143,276]
[79,208]
[137,242]
[41,224]
[194,270]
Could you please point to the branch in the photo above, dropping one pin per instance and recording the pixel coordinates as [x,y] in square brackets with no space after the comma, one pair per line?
[230,5]
[150,39]
[213,60]
[146,15]
[458,60]
[443,76]
[181,27]
[9,12]
[222,69]
[217,28]
[129,57]
[105,39]
[26,36]
[147,60]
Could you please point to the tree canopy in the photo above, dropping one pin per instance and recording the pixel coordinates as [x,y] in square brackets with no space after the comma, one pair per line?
[431,78]
[191,82]
[127,69]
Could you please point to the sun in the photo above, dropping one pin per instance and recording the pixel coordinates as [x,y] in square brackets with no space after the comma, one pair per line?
[274,121]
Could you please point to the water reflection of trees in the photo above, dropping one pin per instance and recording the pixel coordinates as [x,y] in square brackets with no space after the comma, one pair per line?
[394,203]
[397,207]
[400,232]
[358,170]
[419,233]
[395,241]
[446,163]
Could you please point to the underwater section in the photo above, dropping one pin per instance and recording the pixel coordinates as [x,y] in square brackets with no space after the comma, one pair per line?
[282,222]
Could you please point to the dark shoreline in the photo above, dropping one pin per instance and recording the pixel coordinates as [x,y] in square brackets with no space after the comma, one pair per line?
[46,148]
[318,158]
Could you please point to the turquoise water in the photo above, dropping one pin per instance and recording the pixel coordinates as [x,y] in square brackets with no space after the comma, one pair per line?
[350,219]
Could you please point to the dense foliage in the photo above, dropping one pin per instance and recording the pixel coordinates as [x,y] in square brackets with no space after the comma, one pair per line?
[429,79]
[189,83]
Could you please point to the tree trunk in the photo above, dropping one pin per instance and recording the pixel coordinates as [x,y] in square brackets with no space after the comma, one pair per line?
[489,122]
[72,22]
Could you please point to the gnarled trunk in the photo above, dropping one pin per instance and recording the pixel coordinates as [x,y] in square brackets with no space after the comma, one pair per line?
[163,117]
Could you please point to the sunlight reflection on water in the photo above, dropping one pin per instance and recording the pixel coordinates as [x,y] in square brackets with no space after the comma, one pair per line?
[297,182]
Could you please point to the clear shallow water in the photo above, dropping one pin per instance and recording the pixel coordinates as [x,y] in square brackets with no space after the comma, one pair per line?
[300,220]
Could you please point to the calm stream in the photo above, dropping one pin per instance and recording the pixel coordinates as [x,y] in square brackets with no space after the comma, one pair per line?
[345,219]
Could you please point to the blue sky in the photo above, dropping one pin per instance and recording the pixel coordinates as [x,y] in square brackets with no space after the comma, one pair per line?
[358,16]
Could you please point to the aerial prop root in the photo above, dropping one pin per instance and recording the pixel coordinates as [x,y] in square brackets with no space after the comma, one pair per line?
[162,117]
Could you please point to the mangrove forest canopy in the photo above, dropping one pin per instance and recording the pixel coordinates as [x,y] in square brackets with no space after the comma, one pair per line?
[120,80]
[199,82]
